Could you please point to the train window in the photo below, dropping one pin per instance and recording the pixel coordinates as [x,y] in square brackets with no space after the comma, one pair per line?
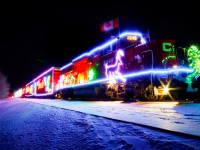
[108,49]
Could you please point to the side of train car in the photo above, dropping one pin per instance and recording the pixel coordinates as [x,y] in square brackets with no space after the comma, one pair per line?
[125,68]
[42,86]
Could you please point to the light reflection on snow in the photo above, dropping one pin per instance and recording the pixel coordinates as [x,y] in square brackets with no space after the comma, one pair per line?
[164,115]
[162,104]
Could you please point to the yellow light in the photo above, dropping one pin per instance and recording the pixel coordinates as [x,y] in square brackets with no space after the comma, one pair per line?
[132,38]
[160,104]
[166,90]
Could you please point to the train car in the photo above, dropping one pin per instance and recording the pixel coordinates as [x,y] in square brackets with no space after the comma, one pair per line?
[44,85]
[127,67]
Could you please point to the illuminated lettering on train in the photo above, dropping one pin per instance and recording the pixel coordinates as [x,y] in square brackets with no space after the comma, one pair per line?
[132,38]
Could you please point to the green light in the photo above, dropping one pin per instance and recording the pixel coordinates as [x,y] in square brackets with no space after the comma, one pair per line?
[167,47]
[91,74]
[48,81]
[168,57]
[193,54]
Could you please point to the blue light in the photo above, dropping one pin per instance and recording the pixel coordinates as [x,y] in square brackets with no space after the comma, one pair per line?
[65,66]
[45,72]
[109,42]
[135,74]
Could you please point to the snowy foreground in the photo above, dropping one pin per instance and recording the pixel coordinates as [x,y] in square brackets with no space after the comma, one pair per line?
[183,118]
[77,125]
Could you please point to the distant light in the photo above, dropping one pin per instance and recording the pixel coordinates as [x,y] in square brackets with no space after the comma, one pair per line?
[18,93]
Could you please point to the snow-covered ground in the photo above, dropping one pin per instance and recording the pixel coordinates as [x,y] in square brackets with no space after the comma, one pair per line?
[77,125]
[184,118]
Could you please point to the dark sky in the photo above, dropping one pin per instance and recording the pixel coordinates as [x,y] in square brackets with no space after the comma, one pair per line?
[35,36]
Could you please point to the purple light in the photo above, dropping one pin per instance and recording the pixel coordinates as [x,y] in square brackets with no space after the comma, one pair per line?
[111,71]
[136,74]
[109,42]
[45,94]
[45,72]
[65,66]
[33,81]
[83,84]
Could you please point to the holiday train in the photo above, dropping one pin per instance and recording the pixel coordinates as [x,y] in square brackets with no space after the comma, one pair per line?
[124,68]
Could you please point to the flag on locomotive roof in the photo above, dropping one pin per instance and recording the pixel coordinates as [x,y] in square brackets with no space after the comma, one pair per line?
[109,25]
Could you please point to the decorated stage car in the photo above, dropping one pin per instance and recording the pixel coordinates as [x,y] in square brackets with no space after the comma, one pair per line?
[126,68]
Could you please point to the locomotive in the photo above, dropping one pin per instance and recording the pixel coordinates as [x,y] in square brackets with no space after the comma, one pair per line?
[127,67]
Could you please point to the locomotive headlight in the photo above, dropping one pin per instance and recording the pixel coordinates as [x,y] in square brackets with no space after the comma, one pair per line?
[166,90]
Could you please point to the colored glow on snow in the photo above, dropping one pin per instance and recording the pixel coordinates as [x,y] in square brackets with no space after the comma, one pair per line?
[161,104]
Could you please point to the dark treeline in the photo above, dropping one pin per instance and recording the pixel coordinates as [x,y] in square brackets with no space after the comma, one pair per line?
[4,86]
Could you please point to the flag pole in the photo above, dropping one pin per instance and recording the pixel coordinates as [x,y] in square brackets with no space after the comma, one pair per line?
[119,27]
[118,34]
[148,35]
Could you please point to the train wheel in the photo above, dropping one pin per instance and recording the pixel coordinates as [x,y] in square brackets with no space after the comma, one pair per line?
[149,93]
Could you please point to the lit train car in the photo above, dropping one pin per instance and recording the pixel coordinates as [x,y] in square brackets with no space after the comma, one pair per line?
[124,68]
[44,85]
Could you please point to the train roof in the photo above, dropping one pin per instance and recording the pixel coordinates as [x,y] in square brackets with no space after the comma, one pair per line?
[44,73]
[100,47]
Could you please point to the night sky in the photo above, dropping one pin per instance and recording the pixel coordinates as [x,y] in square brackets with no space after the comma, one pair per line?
[36,36]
